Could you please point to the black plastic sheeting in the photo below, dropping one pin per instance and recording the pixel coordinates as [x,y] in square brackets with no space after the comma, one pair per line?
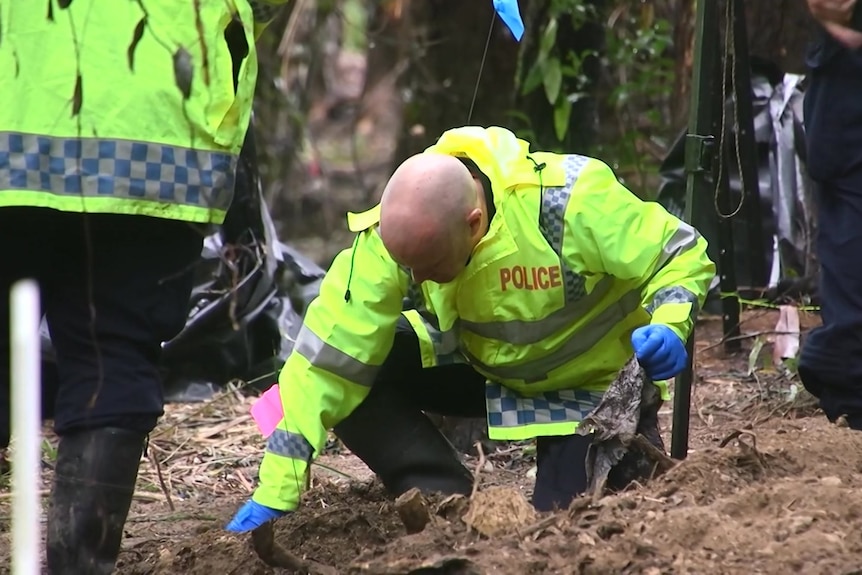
[786,203]
[251,291]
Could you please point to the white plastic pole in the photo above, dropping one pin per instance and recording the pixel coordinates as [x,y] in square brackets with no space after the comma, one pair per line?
[26,423]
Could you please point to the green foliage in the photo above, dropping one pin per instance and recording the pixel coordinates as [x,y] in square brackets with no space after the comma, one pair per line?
[641,51]
[355,15]
[637,55]
[553,71]
[635,61]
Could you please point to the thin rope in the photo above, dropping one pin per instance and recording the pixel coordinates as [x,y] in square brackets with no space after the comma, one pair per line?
[481,66]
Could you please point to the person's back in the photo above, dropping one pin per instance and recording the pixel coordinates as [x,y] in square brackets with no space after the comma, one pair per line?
[120,125]
[102,103]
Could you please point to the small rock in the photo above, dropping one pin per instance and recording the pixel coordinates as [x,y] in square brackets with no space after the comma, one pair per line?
[800,524]
[586,539]
[831,481]
[608,530]
[834,538]
[413,510]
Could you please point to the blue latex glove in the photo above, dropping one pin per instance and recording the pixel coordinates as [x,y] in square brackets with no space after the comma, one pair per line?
[252,515]
[659,350]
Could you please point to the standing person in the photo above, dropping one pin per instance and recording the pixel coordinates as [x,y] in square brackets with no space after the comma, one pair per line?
[120,127]
[536,272]
[830,365]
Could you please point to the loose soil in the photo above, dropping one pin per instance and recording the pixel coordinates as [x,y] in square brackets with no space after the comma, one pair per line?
[769,486]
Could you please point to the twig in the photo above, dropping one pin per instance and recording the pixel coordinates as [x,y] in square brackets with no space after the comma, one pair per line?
[335,471]
[479,465]
[736,434]
[660,458]
[181,516]
[539,525]
[274,555]
[752,335]
[242,479]
[155,461]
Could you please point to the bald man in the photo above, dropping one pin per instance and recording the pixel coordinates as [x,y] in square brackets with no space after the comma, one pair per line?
[490,281]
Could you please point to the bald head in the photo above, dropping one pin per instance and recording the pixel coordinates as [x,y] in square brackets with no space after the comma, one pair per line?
[429,213]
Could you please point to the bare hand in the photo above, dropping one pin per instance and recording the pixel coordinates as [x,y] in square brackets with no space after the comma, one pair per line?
[834,15]
[835,11]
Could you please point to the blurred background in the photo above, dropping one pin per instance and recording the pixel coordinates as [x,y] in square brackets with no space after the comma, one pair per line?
[349,88]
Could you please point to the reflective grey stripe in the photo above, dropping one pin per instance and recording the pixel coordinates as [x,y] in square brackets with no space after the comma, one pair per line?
[323,356]
[96,167]
[506,408]
[674,294]
[682,240]
[289,444]
[552,222]
[582,341]
[445,342]
[523,332]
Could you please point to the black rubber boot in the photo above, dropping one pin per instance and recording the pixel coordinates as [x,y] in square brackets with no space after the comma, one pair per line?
[401,445]
[94,481]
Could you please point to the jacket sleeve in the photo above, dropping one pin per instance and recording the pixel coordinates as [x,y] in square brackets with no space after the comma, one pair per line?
[610,230]
[336,357]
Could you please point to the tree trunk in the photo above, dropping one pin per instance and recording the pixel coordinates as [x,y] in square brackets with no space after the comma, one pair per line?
[446,55]
[779,31]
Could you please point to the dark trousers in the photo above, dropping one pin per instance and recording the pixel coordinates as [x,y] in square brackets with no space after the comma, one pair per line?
[830,365]
[403,389]
[113,288]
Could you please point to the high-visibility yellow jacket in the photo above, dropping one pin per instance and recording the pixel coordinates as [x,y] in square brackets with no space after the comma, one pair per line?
[104,108]
[571,264]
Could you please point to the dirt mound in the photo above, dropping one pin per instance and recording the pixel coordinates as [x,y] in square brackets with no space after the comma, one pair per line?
[782,498]
[333,528]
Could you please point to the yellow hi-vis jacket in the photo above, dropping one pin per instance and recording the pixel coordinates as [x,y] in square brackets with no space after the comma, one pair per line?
[104,108]
[571,264]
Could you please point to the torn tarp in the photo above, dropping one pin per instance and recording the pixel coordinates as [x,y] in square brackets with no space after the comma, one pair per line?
[788,218]
[246,308]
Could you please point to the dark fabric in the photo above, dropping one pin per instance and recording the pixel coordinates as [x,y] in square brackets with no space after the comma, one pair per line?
[392,435]
[831,360]
[833,114]
[455,390]
[560,472]
[134,274]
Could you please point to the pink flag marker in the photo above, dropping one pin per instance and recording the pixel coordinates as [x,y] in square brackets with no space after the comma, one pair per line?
[267,411]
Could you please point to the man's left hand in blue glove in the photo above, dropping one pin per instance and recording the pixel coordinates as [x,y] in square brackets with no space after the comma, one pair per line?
[659,350]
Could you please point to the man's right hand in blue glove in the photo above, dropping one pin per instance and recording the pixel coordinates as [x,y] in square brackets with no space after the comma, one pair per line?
[251,516]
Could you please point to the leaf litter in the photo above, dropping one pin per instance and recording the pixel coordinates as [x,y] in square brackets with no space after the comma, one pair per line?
[769,487]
